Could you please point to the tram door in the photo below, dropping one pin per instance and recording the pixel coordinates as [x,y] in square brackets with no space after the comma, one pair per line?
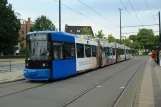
[99,56]
[117,54]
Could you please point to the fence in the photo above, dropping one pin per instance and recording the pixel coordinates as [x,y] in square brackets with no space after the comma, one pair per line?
[9,66]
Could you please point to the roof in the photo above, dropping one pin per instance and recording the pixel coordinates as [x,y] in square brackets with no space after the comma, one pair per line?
[77,29]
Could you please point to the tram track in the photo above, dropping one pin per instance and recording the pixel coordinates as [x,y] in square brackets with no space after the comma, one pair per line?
[69,101]
[96,85]
[20,86]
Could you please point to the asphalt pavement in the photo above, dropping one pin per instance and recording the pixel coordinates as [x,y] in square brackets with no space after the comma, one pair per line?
[99,88]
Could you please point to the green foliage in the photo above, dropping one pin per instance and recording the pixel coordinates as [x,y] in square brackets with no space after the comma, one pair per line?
[100,34]
[111,38]
[156,38]
[127,42]
[86,31]
[133,37]
[146,38]
[136,45]
[9,28]
[42,23]
[118,40]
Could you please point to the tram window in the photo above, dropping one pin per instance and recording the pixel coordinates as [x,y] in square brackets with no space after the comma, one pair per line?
[110,51]
[88,50]
[127,51]
[113,51]
[80,51]
[122,51]
[119,51]
[107,51]
[94,51]
[58,50]
[69,50]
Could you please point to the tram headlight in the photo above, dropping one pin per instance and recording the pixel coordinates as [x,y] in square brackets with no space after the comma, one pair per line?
[43,64]
[27,64]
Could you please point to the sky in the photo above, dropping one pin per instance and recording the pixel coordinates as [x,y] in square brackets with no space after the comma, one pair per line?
[107,19]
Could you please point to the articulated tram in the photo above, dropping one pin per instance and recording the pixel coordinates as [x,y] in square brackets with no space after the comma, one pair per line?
[54,55]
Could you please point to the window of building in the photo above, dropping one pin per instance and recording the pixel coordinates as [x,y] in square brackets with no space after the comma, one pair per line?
[69,50]
[78,31]
[94,51]
[88,50]
[80,51]
[22,32]
[58,50]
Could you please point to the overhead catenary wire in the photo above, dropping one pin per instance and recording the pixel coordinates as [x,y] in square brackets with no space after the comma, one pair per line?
[149,9]
[127,10]
[134,10]
[135,32]
[141,25]
[97,12]
[81,14]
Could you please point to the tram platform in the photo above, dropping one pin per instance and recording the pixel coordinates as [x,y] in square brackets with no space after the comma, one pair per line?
[6,77]
[149,92]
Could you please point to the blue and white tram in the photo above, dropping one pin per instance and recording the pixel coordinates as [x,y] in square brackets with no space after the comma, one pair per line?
[53,55]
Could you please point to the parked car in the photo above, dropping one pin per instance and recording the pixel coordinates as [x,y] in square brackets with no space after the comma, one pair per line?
[149,54]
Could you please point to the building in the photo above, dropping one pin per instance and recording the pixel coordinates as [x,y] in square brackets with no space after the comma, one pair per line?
[77,29]
[25,27]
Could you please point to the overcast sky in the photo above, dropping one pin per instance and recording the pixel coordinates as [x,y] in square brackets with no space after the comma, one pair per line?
[109,23]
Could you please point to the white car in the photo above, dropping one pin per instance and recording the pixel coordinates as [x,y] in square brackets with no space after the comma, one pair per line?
[149,54]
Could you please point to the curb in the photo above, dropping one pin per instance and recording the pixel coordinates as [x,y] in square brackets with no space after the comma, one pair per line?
[12,81]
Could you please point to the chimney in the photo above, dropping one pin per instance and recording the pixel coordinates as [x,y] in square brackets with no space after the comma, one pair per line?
[29,20]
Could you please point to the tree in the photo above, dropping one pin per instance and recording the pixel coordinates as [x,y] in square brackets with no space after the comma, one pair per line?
[43,23]
[86,31]
[136,45]
[9,28]
[127,42]
[111,38]
[100,34]
[146,39]
[133,37]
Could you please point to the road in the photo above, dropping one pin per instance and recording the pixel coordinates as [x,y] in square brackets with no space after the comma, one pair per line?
[99,88]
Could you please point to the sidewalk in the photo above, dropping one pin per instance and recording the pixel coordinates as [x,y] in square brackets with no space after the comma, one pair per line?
[11,76]
[149,93]
[13,61]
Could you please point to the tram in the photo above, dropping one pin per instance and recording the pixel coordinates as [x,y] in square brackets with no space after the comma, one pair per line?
[54,55]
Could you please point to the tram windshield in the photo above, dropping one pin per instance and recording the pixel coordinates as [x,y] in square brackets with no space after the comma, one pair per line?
[38,47]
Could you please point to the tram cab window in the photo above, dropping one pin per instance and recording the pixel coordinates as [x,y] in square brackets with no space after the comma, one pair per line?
[69,50]
[58,50]
[88,50]
[94,51]
[80,50]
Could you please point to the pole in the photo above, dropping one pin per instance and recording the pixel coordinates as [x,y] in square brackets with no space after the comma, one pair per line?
[159,29]
[120,25]
[59,15]
[158,59]
[133,47]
